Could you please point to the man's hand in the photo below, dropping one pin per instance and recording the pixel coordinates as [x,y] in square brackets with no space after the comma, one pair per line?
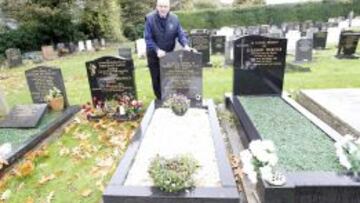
[187,48]
[160,53]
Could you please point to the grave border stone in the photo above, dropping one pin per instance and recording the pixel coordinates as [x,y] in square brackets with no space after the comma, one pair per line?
[227,193]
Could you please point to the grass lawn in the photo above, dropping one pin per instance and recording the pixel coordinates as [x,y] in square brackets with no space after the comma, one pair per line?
[76,166]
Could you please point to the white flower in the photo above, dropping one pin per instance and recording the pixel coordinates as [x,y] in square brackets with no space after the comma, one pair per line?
[5,149]
[268,145]
[273,159]
[344,161]
[246,156]
[266,173]
[252,177]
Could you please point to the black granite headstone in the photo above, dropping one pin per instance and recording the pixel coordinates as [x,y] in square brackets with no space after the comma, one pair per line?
[13,56]
[218,44]
[125,53]
[41,79]
[303,51]
[259,65]
[181,73]
[200,40]
[24,116]
[109,78]
[319,40]
[347,44]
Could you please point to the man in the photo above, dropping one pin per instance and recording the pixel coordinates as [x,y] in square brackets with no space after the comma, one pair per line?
[161,30]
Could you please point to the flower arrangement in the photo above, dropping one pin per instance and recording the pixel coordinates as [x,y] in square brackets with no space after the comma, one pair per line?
[261,159]
[348,152]
[173,175]
[121,108]
[55,99]
[5,149]
[178,103]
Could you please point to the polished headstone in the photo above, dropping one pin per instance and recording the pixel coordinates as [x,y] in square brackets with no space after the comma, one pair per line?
[319,40]
[348,44]
[200,40]
[181,73]
[24,116]
[41,79]
[259,65]
[218,44]
[110,78]
[304,49]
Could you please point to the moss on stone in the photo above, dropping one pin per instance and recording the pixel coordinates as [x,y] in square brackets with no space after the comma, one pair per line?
[301,146]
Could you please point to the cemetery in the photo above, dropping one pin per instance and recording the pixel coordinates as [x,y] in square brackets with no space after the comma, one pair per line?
[261,107]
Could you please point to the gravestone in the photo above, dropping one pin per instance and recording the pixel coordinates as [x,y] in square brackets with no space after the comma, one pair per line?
[253,30]
[310,32]
[304,50]
[34,56]
[72,47]
[110,78]
[102,43]
[24,116]
[333,35]
[275,32]
[62,50]
[319,40]
[264,29]
[89,46]
[48,52]
[96,44]
[41,79]
[229,51]
[125,53]
[292,36]
[4,109]
[218,44]
[81,46]
[347,44]
[200,40]
[141,48]
[181,73]
[13,57]
[259,65]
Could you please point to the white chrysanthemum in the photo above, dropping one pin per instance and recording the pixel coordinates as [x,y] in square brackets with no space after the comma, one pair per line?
[344,161]
[266,173]
[268,145]
[252,177]
[273,160]
[246,156]
[5,149]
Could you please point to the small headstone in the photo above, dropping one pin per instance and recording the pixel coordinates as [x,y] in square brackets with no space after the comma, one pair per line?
[333,35]
[200,40]
[347,44]
[293,36]
[259,65]
[72,47]
[89,46]
[125,53]
[62,50]
[4,109]
[229,51]
[96,44]
[48,52]
[41,79]
[34,56]
[310,32]
[109,78]
[275,32]
[218,44]
[253,30]
[13,57]
[81,46]
[181,73]
[319,40]
[141,48]
[24,116]
[102,43]
[303,50]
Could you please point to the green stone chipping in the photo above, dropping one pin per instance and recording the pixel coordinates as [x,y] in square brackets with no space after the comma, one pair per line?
[17,137]
[301,146]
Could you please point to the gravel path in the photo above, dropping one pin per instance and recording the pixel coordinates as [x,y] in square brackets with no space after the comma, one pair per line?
[169,135]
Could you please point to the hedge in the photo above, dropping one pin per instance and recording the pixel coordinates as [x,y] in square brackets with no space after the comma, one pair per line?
[276,14]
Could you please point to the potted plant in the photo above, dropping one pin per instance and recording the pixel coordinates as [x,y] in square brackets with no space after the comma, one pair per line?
[178,103]
[173,175]
[55,99]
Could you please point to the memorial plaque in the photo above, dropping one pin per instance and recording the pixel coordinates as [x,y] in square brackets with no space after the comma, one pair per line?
[303,50]
[200,40]
[218,44]
[319,40]
[41,79]
[13,57]
[125,53]
[347,44]
[24,116]
[110,78]
[181,73]
[48,52]
[259,65]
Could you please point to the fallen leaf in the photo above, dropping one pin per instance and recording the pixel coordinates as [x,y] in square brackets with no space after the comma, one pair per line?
[50,197]
[86,192]
[6,195]
[25,168]
[45,179]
